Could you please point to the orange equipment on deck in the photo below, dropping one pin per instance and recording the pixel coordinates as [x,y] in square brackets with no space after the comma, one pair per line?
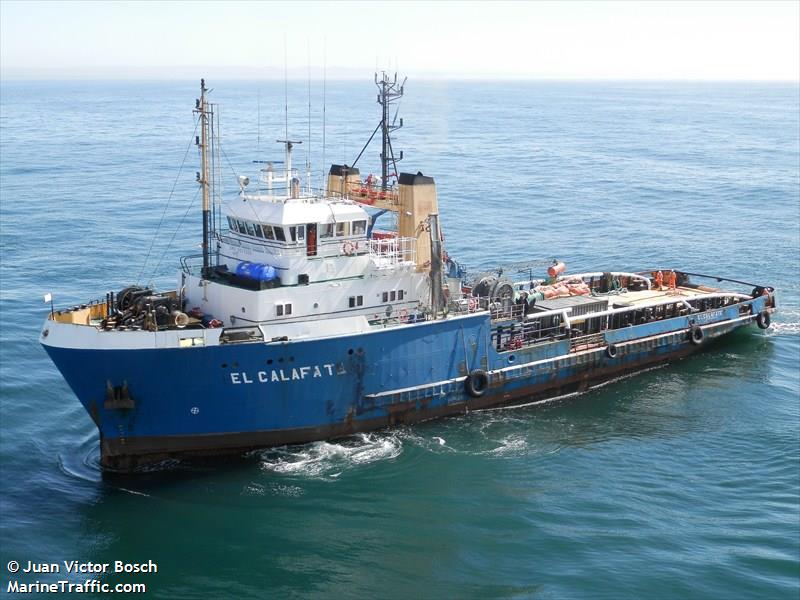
[556,269]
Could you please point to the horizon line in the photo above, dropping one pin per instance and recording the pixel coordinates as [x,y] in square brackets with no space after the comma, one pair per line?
[426,78]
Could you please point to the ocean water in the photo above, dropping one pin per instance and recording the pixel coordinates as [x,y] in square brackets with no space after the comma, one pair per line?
[682,482]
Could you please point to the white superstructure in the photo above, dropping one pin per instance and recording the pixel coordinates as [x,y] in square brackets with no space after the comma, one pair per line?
[313,257]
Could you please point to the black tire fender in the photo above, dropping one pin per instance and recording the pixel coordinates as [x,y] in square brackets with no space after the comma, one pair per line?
[611,351]
[696,335]
[763,320]
[477,383]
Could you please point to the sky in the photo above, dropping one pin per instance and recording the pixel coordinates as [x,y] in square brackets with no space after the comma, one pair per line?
[547,40]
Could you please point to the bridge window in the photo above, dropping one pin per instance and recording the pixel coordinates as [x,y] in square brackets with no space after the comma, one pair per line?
[279,234]
[359,227]
[343,229]
[268,232]
[325,230]
[297,233]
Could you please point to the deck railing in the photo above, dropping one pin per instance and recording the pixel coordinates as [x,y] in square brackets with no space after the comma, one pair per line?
[393,251]
[372,193]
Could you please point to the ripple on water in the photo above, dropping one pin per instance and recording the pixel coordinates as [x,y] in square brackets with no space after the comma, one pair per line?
[82,461]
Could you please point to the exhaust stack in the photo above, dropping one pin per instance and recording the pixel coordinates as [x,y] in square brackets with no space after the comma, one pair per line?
[417,199]
[342,180]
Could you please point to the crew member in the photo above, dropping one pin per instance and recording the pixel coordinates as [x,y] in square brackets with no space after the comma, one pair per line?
[673,280]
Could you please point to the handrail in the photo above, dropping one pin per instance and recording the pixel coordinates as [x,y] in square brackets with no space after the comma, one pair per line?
[395,250]
[715,277]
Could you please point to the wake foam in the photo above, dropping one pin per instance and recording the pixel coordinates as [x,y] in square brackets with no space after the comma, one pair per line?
[788,323]
[328,460]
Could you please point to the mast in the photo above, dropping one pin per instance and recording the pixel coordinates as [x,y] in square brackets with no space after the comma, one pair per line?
[204,176]
[288,144]
[389,92]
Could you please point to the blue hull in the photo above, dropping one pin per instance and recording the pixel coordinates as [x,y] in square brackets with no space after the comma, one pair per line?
[235,397]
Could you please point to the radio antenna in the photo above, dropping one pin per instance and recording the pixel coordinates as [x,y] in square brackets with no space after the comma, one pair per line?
[324,97]
[308,149]
[285,90]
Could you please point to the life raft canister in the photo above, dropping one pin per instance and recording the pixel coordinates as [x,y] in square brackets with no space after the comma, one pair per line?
[477,383]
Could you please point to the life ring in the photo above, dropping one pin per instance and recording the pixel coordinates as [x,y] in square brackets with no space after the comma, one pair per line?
[472,304]
[763,320]
[348,248]
[696,335]
[477,383]
[403,315]
[611,351]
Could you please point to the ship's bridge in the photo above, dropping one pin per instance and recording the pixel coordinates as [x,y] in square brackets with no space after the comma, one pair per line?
[311,238]
[310,226]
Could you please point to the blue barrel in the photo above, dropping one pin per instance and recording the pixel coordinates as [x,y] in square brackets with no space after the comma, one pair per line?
[257,271]
[243,269]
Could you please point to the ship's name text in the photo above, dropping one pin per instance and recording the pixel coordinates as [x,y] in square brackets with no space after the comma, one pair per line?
[279,375]
[709,316]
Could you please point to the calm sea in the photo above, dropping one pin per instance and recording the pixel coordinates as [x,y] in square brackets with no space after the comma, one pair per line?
[683,482]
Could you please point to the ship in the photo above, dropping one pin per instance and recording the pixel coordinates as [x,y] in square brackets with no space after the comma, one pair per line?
[302,320]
